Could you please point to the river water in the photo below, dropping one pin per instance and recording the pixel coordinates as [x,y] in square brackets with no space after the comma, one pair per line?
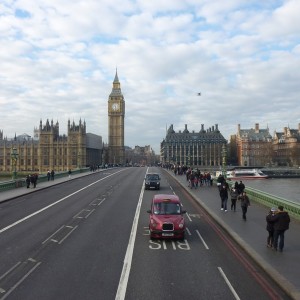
[287,188]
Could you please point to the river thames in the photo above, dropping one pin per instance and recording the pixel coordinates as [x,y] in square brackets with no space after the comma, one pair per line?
[287,188]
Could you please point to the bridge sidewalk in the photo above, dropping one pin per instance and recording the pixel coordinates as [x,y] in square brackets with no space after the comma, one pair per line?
[283,267]
[17,192]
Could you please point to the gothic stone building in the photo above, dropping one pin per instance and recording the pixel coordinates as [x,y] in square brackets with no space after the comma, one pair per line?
[116,116]
[199,149]
[48,151]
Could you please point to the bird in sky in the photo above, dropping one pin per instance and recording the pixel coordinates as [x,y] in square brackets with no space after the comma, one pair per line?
[198,94]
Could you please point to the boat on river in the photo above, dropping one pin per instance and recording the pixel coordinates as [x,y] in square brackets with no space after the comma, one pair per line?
[240,174]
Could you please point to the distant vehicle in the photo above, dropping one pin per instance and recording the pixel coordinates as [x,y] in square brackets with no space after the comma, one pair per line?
[166,217]
[240,174]
[152,180]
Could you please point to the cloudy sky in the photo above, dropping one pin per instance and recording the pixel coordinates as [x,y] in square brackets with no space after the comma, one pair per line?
[58,59]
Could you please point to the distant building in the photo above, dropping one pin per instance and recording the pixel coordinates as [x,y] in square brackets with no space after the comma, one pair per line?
[202,149]
[94,150]
[50,151]
[286,147]
[254,146]
[141,156]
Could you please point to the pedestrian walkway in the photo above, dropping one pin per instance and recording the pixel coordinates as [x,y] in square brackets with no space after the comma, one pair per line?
[283,267]
[17,192]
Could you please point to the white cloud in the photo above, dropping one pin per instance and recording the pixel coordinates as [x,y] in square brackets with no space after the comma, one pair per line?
[58,61]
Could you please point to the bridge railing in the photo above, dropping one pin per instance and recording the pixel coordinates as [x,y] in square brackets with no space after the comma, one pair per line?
[21,182]
[269,200]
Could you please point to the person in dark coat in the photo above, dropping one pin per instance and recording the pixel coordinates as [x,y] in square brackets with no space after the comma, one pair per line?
[245,202]
[270,226]
[241,187]
[28,181]
[224,195]
[281,224]
[233,196]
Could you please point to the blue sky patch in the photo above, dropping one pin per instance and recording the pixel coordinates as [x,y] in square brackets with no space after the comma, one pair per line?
[22,14]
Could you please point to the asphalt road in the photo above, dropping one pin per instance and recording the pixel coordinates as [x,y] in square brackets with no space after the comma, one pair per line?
[88,239]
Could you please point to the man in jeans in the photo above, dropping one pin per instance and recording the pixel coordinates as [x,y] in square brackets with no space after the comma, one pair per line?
[281,224]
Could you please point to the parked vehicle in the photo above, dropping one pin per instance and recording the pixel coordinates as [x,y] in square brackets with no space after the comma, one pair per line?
[166,217]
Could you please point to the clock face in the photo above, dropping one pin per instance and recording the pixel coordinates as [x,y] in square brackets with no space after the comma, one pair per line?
[115,106]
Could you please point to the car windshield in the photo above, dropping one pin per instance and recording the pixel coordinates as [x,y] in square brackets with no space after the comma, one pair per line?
[164,208]
[152,177]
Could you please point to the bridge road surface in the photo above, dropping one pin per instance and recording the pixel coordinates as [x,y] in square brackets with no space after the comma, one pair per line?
[71,240]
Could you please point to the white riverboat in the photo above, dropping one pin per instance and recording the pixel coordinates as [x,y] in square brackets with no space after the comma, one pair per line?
[240,174]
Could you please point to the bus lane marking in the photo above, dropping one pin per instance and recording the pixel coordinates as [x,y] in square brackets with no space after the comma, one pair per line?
[163,245]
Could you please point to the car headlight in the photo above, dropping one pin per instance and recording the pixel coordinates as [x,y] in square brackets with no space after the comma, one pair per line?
[153,223]
[181,224]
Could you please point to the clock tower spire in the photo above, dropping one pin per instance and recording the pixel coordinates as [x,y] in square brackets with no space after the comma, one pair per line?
[116,115]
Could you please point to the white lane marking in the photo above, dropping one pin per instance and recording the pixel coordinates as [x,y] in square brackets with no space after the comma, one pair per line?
[188,231]
[61,241]
[10,270]
[20,281]
[53,234]
[189,217]
[54,203]
[129,252]
[201,238]
[229,284]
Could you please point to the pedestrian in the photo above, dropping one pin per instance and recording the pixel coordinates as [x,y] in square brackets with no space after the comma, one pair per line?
[241,188]
[270,226]
[245,202]
[48,175]
[281,224]
[220,181]
[52,175]
[233,196]
[70,172]
[35,178]
[28,181]
[224,196]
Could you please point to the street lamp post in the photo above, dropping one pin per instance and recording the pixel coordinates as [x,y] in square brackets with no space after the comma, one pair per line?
[224,153]
[14,157]
[79,160]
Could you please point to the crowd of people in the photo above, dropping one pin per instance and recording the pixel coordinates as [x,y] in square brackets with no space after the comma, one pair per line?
[194,177]
[277,219]
[32,180]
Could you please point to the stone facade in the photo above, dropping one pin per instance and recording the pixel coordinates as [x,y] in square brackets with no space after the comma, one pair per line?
[47,150]
[286,147]
[116,115]
[254,146]
[199,149]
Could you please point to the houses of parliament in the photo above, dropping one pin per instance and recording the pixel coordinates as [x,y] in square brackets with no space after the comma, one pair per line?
[48,150]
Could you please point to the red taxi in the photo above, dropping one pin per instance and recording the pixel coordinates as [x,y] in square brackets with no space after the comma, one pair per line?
[166,217]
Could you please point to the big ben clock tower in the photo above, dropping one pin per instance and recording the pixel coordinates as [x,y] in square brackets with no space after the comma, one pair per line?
[116,114]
